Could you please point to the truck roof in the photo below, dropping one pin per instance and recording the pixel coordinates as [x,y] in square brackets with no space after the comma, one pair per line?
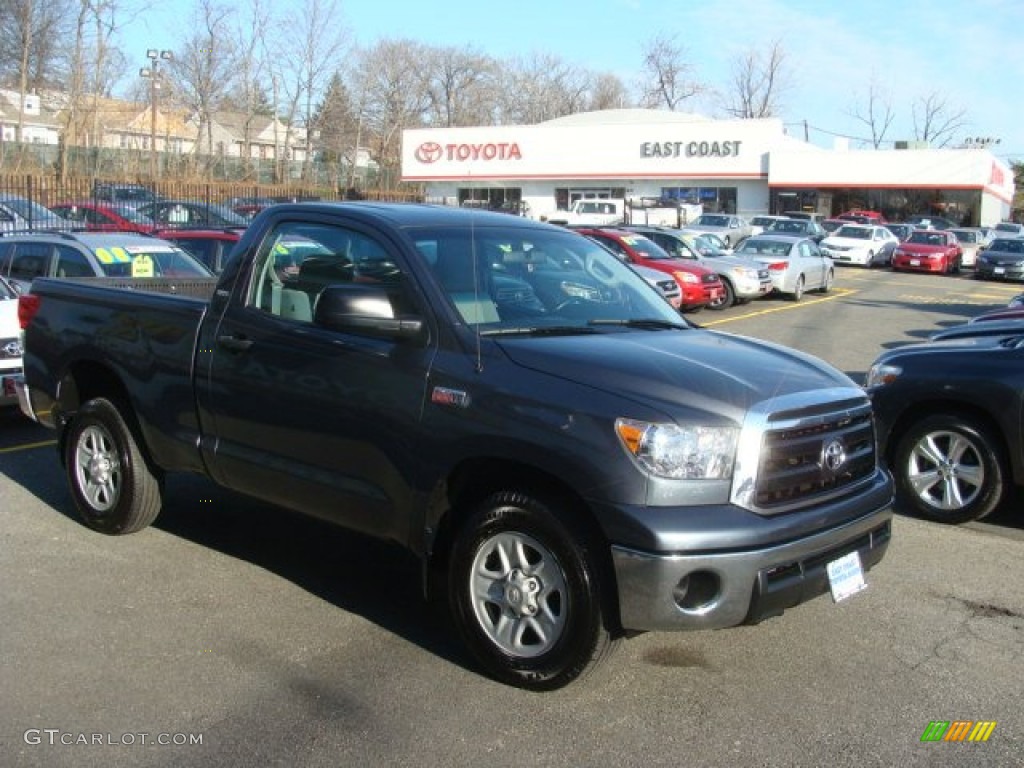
[416,214]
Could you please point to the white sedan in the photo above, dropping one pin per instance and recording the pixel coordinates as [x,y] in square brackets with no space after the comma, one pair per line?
[795,264]
[862,244]
[10,343]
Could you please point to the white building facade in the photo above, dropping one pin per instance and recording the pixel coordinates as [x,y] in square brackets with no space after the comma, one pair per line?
[733,166]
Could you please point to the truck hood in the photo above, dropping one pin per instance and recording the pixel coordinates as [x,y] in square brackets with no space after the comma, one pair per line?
[681,372]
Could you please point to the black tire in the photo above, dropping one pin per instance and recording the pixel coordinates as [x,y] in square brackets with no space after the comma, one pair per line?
[525,593]
[948,468]
[798,290]
[871,260]
[114,489]
[728,297]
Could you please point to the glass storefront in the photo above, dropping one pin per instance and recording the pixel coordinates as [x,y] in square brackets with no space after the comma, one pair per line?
[714,199]
[960,205]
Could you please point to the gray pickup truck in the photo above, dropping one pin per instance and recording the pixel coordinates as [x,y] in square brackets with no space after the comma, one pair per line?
[570,459]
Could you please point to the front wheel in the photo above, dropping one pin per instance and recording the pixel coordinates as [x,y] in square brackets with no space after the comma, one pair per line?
[524,593]
[727,299]
[949,469]
[113,488]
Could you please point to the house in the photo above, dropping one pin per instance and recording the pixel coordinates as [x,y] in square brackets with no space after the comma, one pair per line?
[39,124]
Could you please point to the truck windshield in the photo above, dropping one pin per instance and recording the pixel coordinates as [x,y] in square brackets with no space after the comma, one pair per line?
[519,279]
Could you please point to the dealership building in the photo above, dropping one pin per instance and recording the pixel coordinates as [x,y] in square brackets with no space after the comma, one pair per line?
[732,166]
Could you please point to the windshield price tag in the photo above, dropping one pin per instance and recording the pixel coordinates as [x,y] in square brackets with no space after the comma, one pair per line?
[142,266]
[846,577]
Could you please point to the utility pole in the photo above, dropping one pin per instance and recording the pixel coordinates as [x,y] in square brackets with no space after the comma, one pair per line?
[153,74]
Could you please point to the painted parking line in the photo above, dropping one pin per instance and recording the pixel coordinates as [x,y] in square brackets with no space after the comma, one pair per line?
[838,293]
[28,446]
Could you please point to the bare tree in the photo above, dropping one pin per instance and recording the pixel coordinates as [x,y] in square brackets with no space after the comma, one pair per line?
[667,75]
[313,39]
[204,68]
[936,121]
[248,97]
[758,81]
[461,86]
[609,92]
[876,112]
[541,87]
[394,96]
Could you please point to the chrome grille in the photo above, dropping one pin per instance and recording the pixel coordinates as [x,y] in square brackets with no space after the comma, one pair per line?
[711,277]
[802,449]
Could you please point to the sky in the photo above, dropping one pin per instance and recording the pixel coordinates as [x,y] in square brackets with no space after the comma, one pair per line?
[967,52]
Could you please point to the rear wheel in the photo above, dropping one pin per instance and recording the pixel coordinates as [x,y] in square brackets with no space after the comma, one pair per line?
[113,488]
[830,278]
[948,468]
[871,260]
[798,289]
[525,594]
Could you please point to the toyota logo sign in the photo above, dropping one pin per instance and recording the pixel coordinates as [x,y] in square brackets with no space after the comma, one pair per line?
[833,456]
[429,152]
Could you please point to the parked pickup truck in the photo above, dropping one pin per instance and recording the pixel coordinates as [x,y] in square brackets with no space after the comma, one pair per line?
[571,460]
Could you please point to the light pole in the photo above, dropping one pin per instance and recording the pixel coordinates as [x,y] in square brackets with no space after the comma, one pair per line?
[153,73]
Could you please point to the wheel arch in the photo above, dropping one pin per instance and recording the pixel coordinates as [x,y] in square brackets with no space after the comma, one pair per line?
[474,480]
[922,409]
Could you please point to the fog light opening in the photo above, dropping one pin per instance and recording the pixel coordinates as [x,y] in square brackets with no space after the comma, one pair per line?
[697,592]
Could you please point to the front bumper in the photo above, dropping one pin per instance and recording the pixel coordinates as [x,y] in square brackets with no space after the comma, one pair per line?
[919,264]
[987,271]
[860,258]
[752,288]
[717,589]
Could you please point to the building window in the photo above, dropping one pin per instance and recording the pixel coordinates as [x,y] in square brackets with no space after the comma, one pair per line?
[714,199]
[505,199]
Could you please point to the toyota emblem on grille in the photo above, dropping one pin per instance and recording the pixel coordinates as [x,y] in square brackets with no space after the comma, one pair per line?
[13,349]
[833,456]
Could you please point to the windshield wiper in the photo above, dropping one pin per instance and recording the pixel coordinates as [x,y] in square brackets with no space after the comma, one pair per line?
[543,330]
[643,322]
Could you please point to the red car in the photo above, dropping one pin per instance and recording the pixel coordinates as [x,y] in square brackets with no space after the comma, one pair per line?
[210,246]
[101,216]
[862,216]
[929,250]
[700,285]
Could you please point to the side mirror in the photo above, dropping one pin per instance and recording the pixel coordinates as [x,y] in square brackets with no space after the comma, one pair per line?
[367,310]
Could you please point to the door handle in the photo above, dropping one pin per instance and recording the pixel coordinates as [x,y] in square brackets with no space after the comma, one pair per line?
[234,343]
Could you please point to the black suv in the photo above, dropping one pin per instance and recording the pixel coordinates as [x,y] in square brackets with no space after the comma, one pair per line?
[948,423]
[128,194]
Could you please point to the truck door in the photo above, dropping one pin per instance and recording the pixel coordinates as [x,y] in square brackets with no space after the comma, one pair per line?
[303,416]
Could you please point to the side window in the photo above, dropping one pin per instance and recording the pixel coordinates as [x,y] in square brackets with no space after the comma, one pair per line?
[6,252]
[299,260]
[72,263]
[31,260]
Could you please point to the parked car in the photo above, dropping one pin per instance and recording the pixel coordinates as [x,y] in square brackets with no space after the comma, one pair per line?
[732,229]
[861,244]
[862,216]
[123,194]
[796,265]
[948,423]
[902,230]
[928,250]
[99,216]
[93,254]
[1006,326]
[831,225]
[209,246]
[1004,228]
[760,223]
[700,286]
[1002,259]
[928,221]
[248,206]
[191,213]
[971,241]
[998,315]
[797,228]
[742,279]
[19,214]
[808,215]
[10,343]
[666,284]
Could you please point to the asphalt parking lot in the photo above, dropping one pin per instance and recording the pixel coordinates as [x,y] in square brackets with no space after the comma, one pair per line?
[242,635]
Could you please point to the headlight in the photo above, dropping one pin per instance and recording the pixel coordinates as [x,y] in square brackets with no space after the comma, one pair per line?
[686,277]
[747,272]
[882,374]
[680,453]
